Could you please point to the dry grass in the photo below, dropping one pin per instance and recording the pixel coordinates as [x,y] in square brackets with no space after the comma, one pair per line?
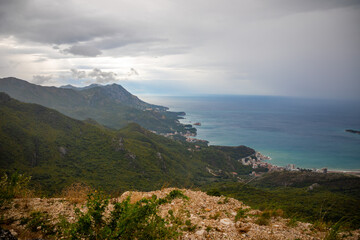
[76,192]
[165,185]
[137,196]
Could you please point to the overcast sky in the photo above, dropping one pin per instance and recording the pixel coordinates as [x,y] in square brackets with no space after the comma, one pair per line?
[305,48]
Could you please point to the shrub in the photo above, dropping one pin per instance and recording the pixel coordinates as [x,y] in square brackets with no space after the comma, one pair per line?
[176,194]
[126,221]
[224,201]
[189,226]
[39,221]
[215,216]
[76,192]
[241,213]
[333,233]
[14,186]
[264,218]
[213,192]
[262,221]
[292,222]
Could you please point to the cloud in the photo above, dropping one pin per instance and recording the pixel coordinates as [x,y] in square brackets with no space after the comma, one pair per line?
[133,72]
[78,74]
[40,79]
[103,77]
[74,23]
[82,50]
[99,76]
[280,47]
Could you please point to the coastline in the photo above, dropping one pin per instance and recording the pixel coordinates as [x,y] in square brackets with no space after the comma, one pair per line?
[350,172]
[219,126]
[262,160]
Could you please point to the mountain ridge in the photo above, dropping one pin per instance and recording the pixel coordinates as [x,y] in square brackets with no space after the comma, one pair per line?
[57,150]
[110,105]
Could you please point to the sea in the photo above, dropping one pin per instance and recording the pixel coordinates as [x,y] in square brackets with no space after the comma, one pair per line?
[309,133]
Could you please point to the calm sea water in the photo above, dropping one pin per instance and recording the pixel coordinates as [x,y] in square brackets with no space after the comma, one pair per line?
[307,133]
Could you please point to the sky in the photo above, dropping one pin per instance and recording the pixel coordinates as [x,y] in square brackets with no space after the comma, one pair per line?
[302,48]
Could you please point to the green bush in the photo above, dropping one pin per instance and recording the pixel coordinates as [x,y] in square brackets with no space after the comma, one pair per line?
[176,194]
[241,213]
[264,218]
[39,221]
[189,226]
[262,221]
[292,222]
[126,221]
[14,186]
[213,192]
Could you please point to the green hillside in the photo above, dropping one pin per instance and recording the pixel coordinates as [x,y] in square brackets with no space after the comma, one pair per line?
[57,150]
[110,105]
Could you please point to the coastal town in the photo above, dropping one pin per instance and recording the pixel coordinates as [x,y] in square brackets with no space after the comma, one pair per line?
[258,160]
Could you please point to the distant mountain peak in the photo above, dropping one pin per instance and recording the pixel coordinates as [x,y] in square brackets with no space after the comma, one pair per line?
[69,86]
[111,105]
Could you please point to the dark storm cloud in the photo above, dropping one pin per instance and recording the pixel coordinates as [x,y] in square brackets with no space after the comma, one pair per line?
[65,22]
[47,22]
[277,47]
[312,5]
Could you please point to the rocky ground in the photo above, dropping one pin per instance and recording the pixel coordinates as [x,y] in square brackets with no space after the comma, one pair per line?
[207,217]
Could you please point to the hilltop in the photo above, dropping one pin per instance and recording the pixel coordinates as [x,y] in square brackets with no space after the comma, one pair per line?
[110,105]
[188,214]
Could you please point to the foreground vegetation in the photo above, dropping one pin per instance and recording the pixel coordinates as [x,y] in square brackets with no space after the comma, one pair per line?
[323,199]
[140,216]
[125,220]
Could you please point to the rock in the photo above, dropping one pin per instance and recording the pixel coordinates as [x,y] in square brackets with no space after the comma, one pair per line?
[200,232]
[212,220]
[226,221]
[313,186]
[12,231]
[6,235]
[63,151]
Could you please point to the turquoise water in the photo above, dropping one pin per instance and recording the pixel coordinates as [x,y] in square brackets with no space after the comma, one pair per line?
[307,133]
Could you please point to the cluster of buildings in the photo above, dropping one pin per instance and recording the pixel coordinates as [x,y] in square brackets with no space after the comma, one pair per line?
[291,167]
[257,160]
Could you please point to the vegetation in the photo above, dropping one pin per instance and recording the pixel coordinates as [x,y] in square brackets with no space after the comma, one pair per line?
[71,157]
[58,151]
[39,221]
[126,220]
[14,186]
[323,205]
[240,214]
[110,105]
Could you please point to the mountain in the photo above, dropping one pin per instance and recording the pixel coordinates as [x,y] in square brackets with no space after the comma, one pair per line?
[69,86]
[57,150]
[110,105]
